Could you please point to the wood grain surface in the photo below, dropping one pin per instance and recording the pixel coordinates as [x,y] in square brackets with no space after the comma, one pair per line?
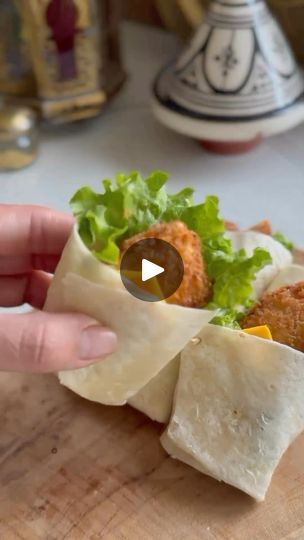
[74,470]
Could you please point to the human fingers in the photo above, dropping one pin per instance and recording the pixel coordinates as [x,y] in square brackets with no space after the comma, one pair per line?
[27,288]
[48,342]
[33,230]
[24,264]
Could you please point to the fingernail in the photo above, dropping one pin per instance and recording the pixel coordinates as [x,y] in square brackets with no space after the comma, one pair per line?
[96,341]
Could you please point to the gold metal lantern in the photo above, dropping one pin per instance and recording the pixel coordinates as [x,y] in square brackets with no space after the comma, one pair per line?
[61,56]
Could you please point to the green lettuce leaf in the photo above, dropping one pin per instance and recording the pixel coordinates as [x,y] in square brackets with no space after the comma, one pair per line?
[128,206]
[232,273]
[283,240]
[228,318]
[132,204]
[204,218]
[98,231]
[234,276]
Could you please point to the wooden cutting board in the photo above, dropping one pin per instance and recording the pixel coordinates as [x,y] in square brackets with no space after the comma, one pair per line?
[75,470]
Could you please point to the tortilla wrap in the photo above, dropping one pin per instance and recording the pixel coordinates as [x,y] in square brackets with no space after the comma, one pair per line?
[148,339]
[78,259]
[155,398]
[238,406]
[176,453]
[249,240]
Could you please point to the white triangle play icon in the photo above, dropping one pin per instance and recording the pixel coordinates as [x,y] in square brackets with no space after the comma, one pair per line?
[150,270]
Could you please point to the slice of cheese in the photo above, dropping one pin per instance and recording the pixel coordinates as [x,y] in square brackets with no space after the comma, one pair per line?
[151,286]
[259,331]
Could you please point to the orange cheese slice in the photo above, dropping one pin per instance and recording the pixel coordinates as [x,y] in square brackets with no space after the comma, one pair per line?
[151,286]
[259,331]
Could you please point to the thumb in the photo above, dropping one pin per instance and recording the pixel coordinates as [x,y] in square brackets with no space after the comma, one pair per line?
[45,342]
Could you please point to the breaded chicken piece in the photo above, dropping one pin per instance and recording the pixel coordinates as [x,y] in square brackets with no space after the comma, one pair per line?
[230,225]
[195,289]
[283,312]
[263,227]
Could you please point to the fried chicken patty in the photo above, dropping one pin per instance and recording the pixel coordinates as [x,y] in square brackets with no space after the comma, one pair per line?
[195,289]
[283,312]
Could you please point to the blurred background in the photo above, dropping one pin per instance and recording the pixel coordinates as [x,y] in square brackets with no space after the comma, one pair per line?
[62,61]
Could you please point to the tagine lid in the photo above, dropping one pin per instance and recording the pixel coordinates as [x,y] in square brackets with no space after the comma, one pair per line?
[238,69]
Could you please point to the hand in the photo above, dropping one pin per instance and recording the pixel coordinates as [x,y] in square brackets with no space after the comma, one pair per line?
[31,242]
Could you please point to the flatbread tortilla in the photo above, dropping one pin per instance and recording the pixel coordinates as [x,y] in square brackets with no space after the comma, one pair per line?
[149,334]
[176,453]
[238,405]
[155,398]
[78,259]
[249,240]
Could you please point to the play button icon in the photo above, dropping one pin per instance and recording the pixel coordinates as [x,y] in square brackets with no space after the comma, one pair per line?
[151,269]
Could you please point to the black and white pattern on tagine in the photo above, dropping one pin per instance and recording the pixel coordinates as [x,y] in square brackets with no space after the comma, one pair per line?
[237,66]
[227,59]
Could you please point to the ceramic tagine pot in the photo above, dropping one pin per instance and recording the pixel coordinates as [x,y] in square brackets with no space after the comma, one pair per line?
[235,83]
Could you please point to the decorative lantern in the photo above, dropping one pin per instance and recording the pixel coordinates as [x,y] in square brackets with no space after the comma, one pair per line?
[72,47]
